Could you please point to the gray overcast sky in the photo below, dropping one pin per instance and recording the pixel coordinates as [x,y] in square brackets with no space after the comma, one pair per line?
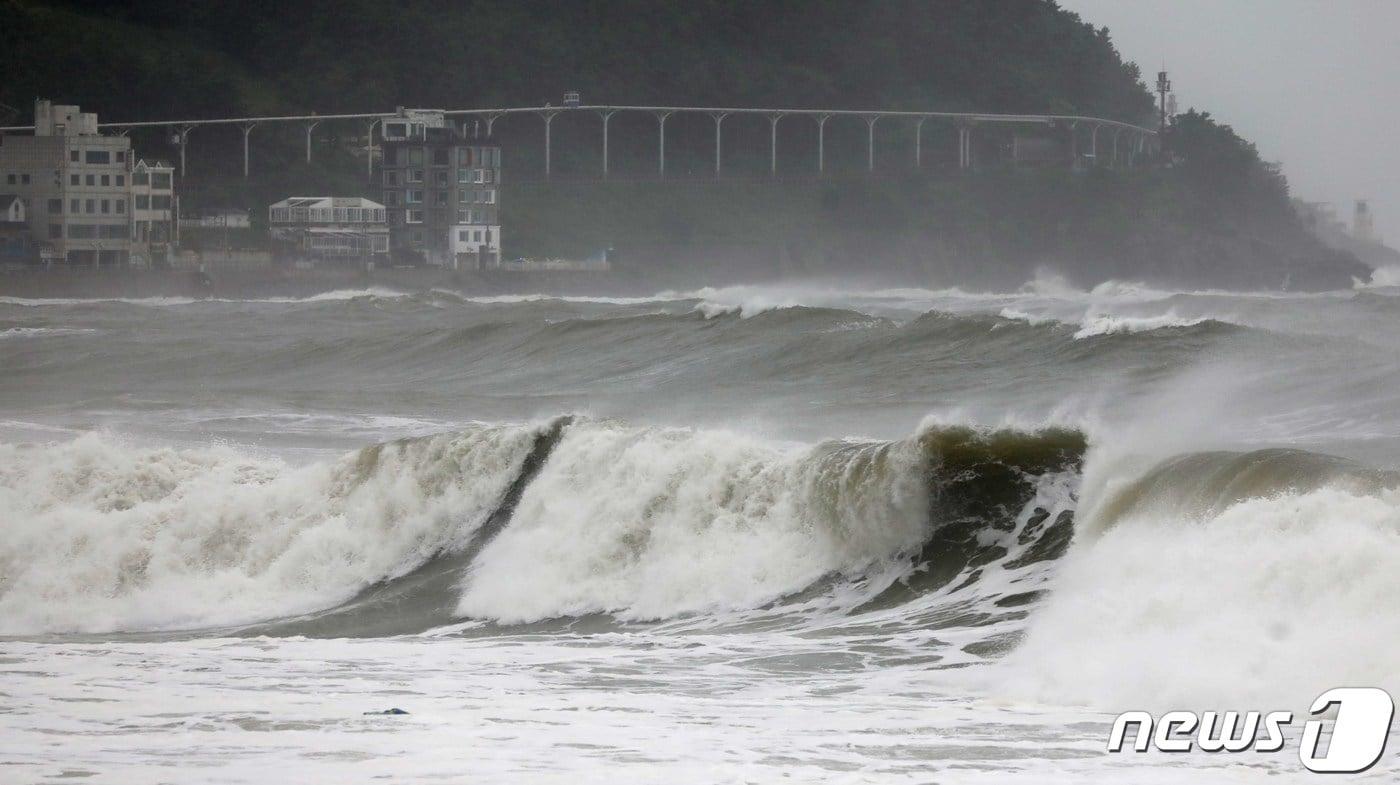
[1314,83]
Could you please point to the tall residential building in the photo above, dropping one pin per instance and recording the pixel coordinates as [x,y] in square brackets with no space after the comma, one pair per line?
[441,191]
[76,185]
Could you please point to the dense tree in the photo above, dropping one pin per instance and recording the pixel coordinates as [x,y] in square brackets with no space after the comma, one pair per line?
[134,59]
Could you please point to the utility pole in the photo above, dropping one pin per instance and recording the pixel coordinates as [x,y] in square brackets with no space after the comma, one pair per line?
[1164,86]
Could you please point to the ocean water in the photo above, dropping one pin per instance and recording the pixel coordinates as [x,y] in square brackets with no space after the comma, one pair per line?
[815,533]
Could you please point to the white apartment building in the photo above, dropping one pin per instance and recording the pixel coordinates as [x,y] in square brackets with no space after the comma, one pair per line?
[152,210]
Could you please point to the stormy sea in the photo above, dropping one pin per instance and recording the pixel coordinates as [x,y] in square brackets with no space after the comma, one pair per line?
[818,533]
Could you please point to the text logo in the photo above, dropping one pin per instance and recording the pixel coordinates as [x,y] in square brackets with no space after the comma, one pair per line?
[1356,742]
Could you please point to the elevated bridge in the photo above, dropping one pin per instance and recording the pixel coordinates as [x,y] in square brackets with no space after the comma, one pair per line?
[1125,142]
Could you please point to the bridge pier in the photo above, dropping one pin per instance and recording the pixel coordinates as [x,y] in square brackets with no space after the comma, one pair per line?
[719,140]
[606,115]
[247,129]
[919,143]
[369,149]
[309,128]
[773,144]
[182,134]
[870,141]
[548,121]
[661,157]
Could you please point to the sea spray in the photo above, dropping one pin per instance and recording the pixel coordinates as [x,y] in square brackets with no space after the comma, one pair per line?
[103,536]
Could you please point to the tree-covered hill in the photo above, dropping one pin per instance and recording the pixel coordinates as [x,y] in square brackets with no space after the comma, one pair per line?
[153,57]
[1209,211]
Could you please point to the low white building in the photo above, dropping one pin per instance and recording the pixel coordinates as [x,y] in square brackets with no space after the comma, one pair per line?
[330,227]
[475,246]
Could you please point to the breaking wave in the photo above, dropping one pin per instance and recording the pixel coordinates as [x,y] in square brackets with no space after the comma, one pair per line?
[1276,566]
[1225,580]
[532,522]
[102,536]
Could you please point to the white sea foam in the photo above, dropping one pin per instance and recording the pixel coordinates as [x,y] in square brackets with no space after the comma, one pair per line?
[1260,605]
[1109,324]
[652,523]
[43,332]
[103,536]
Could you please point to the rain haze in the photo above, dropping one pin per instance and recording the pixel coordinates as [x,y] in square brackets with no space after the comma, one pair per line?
[867,392]
[1311,83]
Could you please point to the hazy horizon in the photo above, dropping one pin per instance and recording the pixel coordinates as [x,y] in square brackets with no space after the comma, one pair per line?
[1310,83]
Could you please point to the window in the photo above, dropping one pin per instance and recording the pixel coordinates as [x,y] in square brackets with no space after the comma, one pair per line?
[440,156]
[391,177]
[143,202]
[465,153]
[391,198]
[121,207]
[106,179]
[139,178]
[490,176]
[75,205]
[121,180]
[462,235]
[98,157]
[415,175]
[441,197]
[415,216]
[442,179]
[395,130]
[415,197]
[490,196]
[56,206]
[55,231]
[121,158]
[91,206]
[74,179]
[160,180]
[73,155]
[106,206]
[91,180]
[10,179]
[415,156]
[160,202]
